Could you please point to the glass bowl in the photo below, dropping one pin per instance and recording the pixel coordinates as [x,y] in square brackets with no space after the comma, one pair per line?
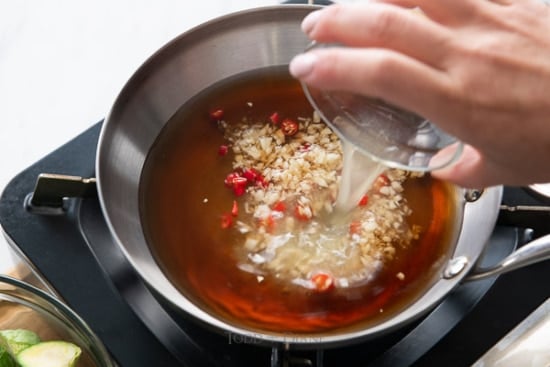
[23,306]
[386,133]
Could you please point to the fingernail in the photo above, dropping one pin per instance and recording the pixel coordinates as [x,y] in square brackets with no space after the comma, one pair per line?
[302,65]
[445,157]
[310,20]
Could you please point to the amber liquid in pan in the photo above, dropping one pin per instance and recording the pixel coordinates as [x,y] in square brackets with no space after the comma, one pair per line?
[183,197]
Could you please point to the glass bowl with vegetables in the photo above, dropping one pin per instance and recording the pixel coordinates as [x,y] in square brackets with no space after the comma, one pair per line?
[38,330]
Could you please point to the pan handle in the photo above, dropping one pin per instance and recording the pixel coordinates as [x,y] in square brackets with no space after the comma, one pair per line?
[52,190]
[531,253]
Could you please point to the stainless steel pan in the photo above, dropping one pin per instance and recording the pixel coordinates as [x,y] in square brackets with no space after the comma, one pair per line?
[218,49]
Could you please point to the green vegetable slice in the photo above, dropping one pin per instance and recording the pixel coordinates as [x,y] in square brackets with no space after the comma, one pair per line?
[15,340]
[50,354]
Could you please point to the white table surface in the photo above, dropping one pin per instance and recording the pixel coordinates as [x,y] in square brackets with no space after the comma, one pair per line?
[62,63]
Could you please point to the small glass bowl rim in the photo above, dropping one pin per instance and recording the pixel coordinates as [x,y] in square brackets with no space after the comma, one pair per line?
[61,312]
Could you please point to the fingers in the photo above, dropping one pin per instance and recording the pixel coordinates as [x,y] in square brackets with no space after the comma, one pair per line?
[474,170]
[380,25]
[444,11]
[469,171]
[373,72]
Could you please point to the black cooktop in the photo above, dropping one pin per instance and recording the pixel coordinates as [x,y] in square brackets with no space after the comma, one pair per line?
[74,252]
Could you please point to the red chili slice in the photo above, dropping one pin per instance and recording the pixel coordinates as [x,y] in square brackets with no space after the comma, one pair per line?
[231,178]
[226,220]
[279,206]
[216,115]
[364,201]
[235,181]
[289,127]
[250,174]
[239,185]
[261,181]
[274,118]
[254,177]
[235,209]
[354,227]
[305,147]
[223,149]
[381,181]
[322,282]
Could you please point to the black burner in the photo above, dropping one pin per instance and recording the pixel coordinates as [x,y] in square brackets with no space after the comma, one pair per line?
[75,253]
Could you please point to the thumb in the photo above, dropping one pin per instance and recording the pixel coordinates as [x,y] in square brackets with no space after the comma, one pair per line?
[469,171]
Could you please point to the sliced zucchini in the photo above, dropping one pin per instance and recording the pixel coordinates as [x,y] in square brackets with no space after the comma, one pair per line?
[50,354]
[15,340]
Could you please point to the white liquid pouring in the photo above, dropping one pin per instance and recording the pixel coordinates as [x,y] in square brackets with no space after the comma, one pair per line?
[359,172]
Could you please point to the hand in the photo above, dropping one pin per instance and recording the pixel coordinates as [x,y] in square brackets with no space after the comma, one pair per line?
[479,69]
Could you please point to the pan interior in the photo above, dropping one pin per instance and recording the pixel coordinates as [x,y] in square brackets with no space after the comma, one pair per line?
[183,200]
